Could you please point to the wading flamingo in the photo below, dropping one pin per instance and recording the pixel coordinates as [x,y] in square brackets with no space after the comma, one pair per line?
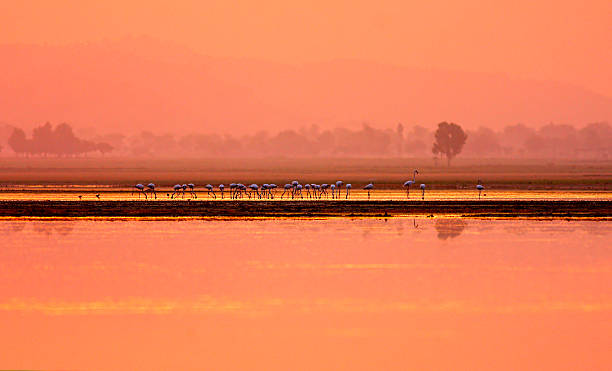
[140,189]
[339,184]
[255,188]
[210,189]
[287,187]
[408,183]
[177,188]
[348,189]
[151,188]
[191,187]
[480,188]
[368,188]
[221,188]
[423,188]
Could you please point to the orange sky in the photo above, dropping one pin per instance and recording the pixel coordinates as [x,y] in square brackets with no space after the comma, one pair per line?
[560,40]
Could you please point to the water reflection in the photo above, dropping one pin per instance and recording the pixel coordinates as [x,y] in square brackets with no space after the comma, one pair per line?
[450,228]
[335,293]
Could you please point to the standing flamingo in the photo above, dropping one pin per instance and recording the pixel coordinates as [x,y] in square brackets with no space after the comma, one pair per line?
[480,188]
[272,189]
[177,188]
[423,188]
[287,187]
[339,184]
[151,188]
[348,189]
[140,189]
[255,188]
[333,190]
[368,188]
[191,187]
[408,183]
[210,189]
[221,188]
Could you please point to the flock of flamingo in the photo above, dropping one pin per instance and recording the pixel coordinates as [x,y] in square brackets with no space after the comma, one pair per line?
[268,191]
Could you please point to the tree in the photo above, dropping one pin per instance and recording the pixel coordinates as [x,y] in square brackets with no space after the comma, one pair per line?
[449,140]
[18,142]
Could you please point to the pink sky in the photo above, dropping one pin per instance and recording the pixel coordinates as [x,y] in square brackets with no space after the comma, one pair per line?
[564,41]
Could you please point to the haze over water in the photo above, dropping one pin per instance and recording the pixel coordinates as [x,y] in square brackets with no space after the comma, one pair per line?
[424,293]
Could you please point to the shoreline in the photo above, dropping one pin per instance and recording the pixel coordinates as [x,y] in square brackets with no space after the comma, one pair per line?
[305,209]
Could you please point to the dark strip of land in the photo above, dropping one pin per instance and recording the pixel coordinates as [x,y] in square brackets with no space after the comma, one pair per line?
[561,209]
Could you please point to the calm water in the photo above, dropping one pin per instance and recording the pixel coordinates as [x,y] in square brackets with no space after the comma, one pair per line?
[31,193]
[371,294]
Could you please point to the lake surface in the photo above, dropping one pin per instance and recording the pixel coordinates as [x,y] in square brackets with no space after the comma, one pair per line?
[265,294]
[72,193]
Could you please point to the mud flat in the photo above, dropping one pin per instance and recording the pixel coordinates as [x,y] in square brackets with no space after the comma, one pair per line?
[545,209]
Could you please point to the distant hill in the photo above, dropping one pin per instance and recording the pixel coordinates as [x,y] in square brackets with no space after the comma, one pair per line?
[140,84]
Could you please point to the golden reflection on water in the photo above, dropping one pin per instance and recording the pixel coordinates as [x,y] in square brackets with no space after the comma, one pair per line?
[113,194]
[192,293]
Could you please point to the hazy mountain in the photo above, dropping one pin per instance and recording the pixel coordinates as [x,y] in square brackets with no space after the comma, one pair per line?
[138,84]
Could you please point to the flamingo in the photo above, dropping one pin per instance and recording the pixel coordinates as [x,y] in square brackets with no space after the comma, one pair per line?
[177,188]
[423,188]
[151,188]
[221,188]
[333,190]
[480,188]
[324,187]
[140,189]
[191,187]
[339,184]
[210,190]
[408,183]
[298,190]
[307,186]
[254,187]
[184,187]
[287,187]
[368,188]
[272,187]
[98,196]
[348,189]
[233,189]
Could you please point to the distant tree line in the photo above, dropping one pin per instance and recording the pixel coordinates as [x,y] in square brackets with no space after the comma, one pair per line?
[49,141]
[446,140]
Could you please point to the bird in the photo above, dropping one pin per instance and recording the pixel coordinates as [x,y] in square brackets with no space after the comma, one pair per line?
[80,197]
[368,188]
[298,190]
[151,188]
[98,196]
[140,189]
[348,189]
[210,190]
[324,187]
[177,188]
[287,187]
[272,187]
[221,188]
[333,190]
[480,188]
[184,187]
[307,187]
[255,188]
[423,188]
[192,190]
[408,183]
[232,189]
[339,184]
